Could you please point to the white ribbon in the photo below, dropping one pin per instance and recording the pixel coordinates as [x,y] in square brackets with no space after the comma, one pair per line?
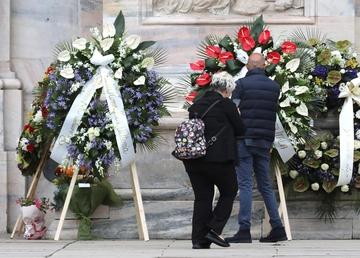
[346,125]
[102,79]
[282,142]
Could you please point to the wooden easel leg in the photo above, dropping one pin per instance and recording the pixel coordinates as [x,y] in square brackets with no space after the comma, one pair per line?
[33,186]
[139,208]
[282,206]
[66,204]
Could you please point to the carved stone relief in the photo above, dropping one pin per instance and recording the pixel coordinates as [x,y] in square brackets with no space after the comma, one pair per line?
[224,7]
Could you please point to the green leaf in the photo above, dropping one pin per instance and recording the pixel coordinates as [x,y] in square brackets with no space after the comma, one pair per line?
[144,45]
[257,28]
[234,66]
[356,156]
[226,43]
[301,185]
[93,153]
[332,153]
[119,24]
[313,163]
[329,186]
[212,65]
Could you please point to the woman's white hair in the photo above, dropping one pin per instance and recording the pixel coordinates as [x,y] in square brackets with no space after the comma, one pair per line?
[222,81]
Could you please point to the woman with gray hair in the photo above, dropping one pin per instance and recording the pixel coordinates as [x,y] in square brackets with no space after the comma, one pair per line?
[217,167]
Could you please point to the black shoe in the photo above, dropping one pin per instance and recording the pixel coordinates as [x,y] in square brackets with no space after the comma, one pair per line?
[242,236]
[216,239]
[275,235]
[201,246]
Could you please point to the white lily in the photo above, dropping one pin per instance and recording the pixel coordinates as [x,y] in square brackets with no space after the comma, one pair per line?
[242,56]
[79,44]
[106,43]
[67,73]
[133,41]
[285,87]
[148,63]
[293,64]
[109,30]
[301,89]
[302,110]
[285,103]
[118,73]
[64,56]
[140,80]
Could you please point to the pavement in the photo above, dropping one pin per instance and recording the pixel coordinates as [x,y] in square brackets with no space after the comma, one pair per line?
[171,248]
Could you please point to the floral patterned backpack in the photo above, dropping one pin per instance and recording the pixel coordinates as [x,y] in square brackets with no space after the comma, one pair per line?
[190,142]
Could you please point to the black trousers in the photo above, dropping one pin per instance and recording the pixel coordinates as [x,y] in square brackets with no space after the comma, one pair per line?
[203,178]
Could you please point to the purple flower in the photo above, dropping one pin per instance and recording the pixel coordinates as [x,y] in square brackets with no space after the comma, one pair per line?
[351,72]
[320,71]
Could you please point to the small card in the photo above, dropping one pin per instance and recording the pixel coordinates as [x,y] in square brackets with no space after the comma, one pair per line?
[84,185]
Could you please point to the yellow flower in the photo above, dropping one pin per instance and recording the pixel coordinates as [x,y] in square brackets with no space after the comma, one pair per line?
[318,81]
[352,62]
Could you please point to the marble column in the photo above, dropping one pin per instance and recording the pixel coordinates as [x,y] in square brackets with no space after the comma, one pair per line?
[10,117]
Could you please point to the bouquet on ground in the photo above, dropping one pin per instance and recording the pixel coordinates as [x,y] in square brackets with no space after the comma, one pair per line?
[33,212]
[89,192]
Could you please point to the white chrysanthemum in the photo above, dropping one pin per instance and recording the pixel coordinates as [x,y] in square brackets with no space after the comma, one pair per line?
[38,116]
[23,142]
[318,154]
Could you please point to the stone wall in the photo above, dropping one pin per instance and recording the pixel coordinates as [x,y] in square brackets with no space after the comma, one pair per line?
[31,29]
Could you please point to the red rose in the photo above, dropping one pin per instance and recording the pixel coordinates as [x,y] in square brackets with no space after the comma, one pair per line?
[264,37]
[223,57]
[203,79]
[288,47]
[248,43]
[213,51]
[44,113]
[30,147]
[243,32]
[197,66]
[27,126]
[191,96]
[273,58]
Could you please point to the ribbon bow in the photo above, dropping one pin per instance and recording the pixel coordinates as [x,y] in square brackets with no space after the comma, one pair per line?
[102,79]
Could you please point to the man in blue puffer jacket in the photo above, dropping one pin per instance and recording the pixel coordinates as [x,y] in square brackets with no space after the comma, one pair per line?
[259,96]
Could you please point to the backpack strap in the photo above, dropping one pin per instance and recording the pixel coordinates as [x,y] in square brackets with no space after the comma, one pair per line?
[207,110]
[214,138]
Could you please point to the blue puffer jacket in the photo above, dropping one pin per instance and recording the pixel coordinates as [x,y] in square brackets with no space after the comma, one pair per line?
[259,96]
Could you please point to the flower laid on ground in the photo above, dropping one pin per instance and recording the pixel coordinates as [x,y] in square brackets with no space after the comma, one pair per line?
[42,204]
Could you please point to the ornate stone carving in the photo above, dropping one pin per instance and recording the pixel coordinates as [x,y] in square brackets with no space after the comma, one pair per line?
[218,7]
[249,7]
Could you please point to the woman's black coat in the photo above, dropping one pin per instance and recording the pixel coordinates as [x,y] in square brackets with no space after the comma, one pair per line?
[223,113]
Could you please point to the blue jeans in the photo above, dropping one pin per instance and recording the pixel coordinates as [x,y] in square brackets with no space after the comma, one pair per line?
[256,158]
